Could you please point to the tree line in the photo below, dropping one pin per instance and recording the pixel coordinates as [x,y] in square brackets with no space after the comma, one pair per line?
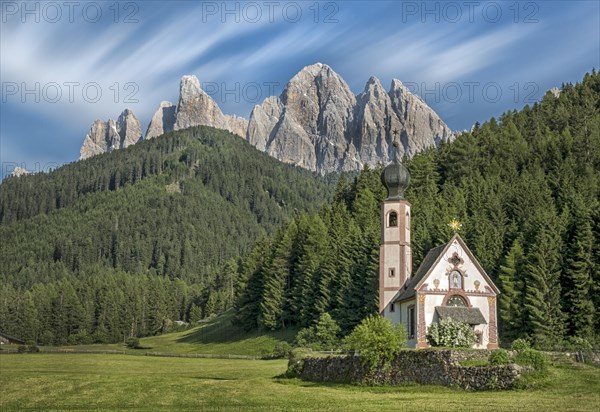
[103,308]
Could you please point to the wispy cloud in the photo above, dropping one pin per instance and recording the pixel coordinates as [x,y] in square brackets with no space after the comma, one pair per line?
[369,38]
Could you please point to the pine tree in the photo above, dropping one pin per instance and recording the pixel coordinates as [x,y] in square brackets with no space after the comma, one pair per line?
[579,306]
[28,318]
[247,305]
[68,312]
[212,304]
[310,270]
[8,301]
[195,313]
[342,232]
[276,275]
[543,291]
[512,283]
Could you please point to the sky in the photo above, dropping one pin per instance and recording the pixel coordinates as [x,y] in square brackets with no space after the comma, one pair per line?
[64,64]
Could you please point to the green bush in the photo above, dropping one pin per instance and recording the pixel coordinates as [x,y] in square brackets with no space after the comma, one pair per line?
[583,348]
[28,349]
[499,357]
[100,335]
[579,344]
[520,345]
[80,338]
[451,334]
[296,362]
[533,358]
[133,343]
[282,350]
[46,338]
[377,340]
[323,335]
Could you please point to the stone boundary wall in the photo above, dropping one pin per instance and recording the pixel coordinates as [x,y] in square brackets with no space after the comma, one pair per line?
[429,367]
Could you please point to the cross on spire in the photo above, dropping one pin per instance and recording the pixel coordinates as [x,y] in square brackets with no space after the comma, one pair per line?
[396,145]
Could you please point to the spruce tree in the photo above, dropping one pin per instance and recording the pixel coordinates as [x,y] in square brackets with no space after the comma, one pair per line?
[195,313]
[578,304]
[310,270]
[545,319]
[276,275]
[512,284]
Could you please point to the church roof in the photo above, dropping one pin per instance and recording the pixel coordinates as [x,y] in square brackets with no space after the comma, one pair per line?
[470,316]
[431,259]
[408,291]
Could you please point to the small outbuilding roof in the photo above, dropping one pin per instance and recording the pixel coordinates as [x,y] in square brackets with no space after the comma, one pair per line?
[470,316]
[12,339]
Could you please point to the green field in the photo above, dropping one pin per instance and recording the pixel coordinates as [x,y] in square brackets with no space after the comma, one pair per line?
[123,382]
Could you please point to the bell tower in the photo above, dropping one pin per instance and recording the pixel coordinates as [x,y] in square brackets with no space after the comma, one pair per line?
[395,258]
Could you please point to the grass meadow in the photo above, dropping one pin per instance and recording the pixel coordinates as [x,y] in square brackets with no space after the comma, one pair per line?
[217,337]
[48,382]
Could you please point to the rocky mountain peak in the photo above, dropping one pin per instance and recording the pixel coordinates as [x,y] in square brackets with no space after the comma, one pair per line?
[422,127]
[163,120]
[129,128]
[319,124]
[316,123]
[374,89]
[308,124]
[196,107]
[189,87]
[110,135]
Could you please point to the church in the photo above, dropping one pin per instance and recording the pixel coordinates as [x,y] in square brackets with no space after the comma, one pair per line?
[449,283]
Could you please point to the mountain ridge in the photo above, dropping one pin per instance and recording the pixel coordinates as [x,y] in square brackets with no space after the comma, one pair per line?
[316,122]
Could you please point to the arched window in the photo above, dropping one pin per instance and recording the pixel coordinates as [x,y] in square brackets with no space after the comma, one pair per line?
[393,219]
[456,300]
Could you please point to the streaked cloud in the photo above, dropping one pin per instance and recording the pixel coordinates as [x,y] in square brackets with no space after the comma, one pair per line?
[369,38]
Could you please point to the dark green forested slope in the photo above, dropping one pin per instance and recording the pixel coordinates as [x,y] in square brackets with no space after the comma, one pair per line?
[177,207]
[526,188]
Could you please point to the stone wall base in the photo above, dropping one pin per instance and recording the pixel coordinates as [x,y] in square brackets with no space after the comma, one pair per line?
[429,367]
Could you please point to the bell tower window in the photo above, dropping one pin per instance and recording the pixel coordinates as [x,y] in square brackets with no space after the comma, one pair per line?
[393,219]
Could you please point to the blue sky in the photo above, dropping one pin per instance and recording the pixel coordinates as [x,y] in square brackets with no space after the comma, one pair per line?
[65,64]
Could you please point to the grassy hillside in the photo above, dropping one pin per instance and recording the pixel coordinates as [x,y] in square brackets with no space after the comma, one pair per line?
[217,336]
[117,382]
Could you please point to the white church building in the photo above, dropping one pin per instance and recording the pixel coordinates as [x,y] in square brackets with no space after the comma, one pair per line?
[449,283]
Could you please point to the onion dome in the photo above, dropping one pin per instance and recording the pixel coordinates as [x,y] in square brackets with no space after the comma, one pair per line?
[395,176]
